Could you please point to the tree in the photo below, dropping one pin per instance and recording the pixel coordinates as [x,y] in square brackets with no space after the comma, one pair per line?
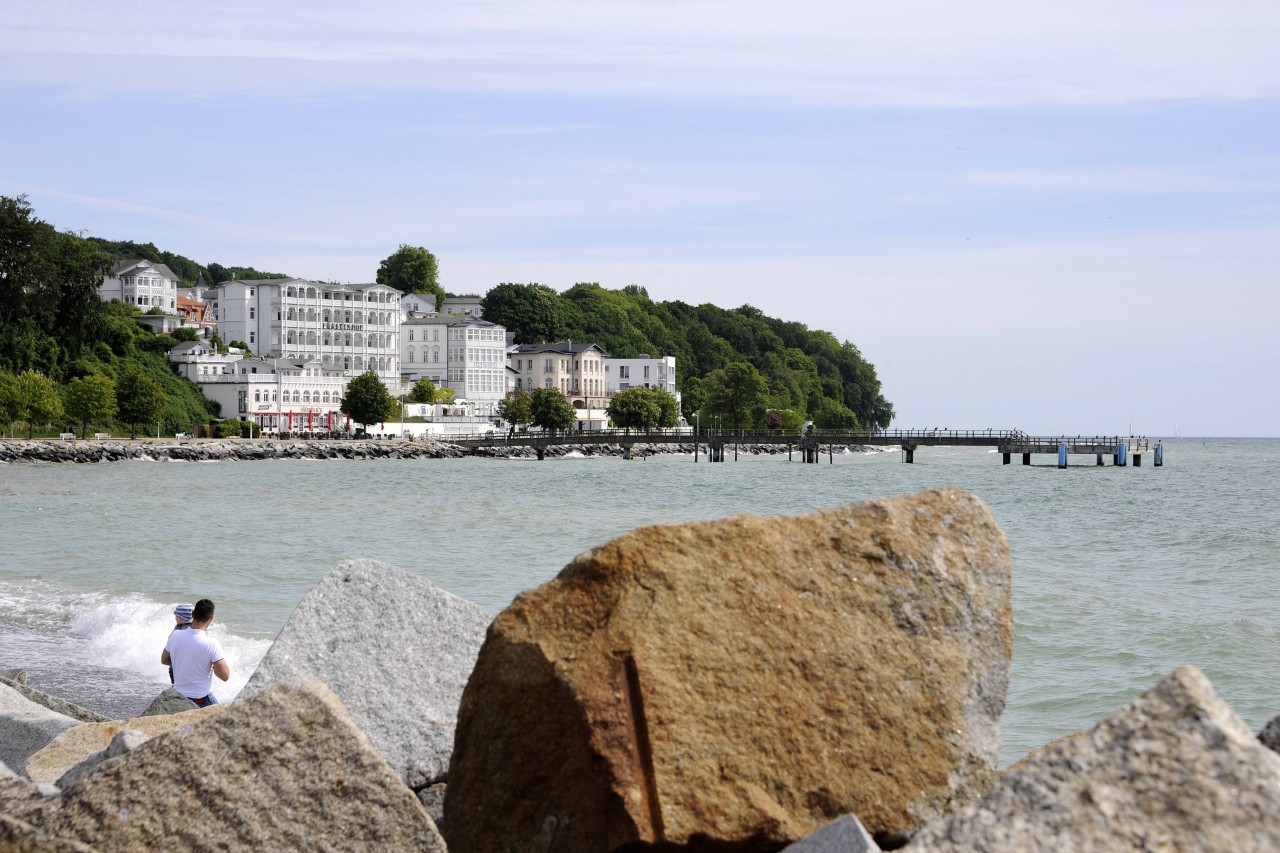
[693,396]
[90,400]
[367,400]
[833,415]
[739,394]
[531,312]
[633,408]
[9,404]
[423,391]
[38,400]
[184,333]
[668,408]
[515,408]
[412,269]
[139,399]
[550,409]
[445,395]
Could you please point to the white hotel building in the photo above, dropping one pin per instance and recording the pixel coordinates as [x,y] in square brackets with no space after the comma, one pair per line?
[347,328]
[464,353]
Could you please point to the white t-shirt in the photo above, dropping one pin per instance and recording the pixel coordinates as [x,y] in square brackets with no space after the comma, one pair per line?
[193,654]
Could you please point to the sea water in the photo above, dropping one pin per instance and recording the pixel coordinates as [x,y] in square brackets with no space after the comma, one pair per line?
[1119,574]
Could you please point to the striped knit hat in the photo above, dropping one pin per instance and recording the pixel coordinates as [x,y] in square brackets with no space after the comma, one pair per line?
[183,611]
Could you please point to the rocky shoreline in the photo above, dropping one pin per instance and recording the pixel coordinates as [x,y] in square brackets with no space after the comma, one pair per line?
[825,683]
[256,450]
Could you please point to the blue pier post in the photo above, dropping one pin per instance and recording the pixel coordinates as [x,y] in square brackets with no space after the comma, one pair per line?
[1062,454]
[1159,455]
[1122,454]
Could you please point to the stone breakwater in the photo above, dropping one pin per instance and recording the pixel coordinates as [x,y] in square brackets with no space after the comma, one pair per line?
[216,450]
[254,450]
[826,683]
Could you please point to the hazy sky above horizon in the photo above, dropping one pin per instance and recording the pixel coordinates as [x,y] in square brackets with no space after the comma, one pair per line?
[1055,217]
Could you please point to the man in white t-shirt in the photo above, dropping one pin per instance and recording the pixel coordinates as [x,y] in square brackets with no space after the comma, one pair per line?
[196,657]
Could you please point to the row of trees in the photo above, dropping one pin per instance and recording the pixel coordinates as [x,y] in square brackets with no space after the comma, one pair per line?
[36,400]
[723,354]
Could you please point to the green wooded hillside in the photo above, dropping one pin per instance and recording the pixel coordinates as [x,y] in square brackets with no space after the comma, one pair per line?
[806,369]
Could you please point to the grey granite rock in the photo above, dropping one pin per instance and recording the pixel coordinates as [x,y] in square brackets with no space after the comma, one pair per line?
[14,676]
[284,770]
[843,835]
[168,702]
[25,727]
[1270,735]
[53,703]
[126,740]
[1174,770]
[432,799]
[395,648]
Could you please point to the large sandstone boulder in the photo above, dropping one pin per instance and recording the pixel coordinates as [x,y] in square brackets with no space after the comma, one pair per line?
[17,836]
[737,684]
[74,745]
[1175,770]
[396,649]
[284,770]
[25,727]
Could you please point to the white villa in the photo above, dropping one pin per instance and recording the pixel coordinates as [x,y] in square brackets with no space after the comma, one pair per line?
[142,283]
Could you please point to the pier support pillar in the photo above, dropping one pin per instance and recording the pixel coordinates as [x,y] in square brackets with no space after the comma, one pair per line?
[1137,460]
[626,451]
[909,451]
[1100,459]
[1062,455]
[1026,459]
[1006,458]
[541,450]
[1159,455]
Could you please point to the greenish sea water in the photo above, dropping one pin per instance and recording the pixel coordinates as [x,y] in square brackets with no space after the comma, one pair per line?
[1120,574]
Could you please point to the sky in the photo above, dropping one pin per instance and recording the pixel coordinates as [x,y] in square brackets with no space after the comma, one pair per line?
[1057,217]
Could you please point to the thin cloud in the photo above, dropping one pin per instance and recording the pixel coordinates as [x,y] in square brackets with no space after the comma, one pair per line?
[1124,181]
[984,53]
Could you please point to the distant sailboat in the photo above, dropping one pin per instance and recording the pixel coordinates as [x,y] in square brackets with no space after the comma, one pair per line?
[1177,433]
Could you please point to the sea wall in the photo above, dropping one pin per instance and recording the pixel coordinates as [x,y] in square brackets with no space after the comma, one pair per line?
[250,450]
[214,450]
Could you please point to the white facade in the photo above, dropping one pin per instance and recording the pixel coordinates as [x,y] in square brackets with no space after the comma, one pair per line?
[142,283]
[418,303]
[465,354]
[348,328]
[424,349]
[644,372]
[279,394]
[478,363]
[194,359]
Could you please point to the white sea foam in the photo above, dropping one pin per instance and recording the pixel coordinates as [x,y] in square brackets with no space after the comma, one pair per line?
[102,632]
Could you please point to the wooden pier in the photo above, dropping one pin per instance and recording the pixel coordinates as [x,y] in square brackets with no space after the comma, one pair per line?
[809,443]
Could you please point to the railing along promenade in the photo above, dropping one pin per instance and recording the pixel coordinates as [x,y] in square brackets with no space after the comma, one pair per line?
[810,442]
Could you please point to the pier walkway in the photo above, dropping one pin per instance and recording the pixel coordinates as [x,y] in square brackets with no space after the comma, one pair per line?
[714,443]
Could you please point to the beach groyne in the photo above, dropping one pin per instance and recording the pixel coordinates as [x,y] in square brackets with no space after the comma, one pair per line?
[823,683]
[258,450]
